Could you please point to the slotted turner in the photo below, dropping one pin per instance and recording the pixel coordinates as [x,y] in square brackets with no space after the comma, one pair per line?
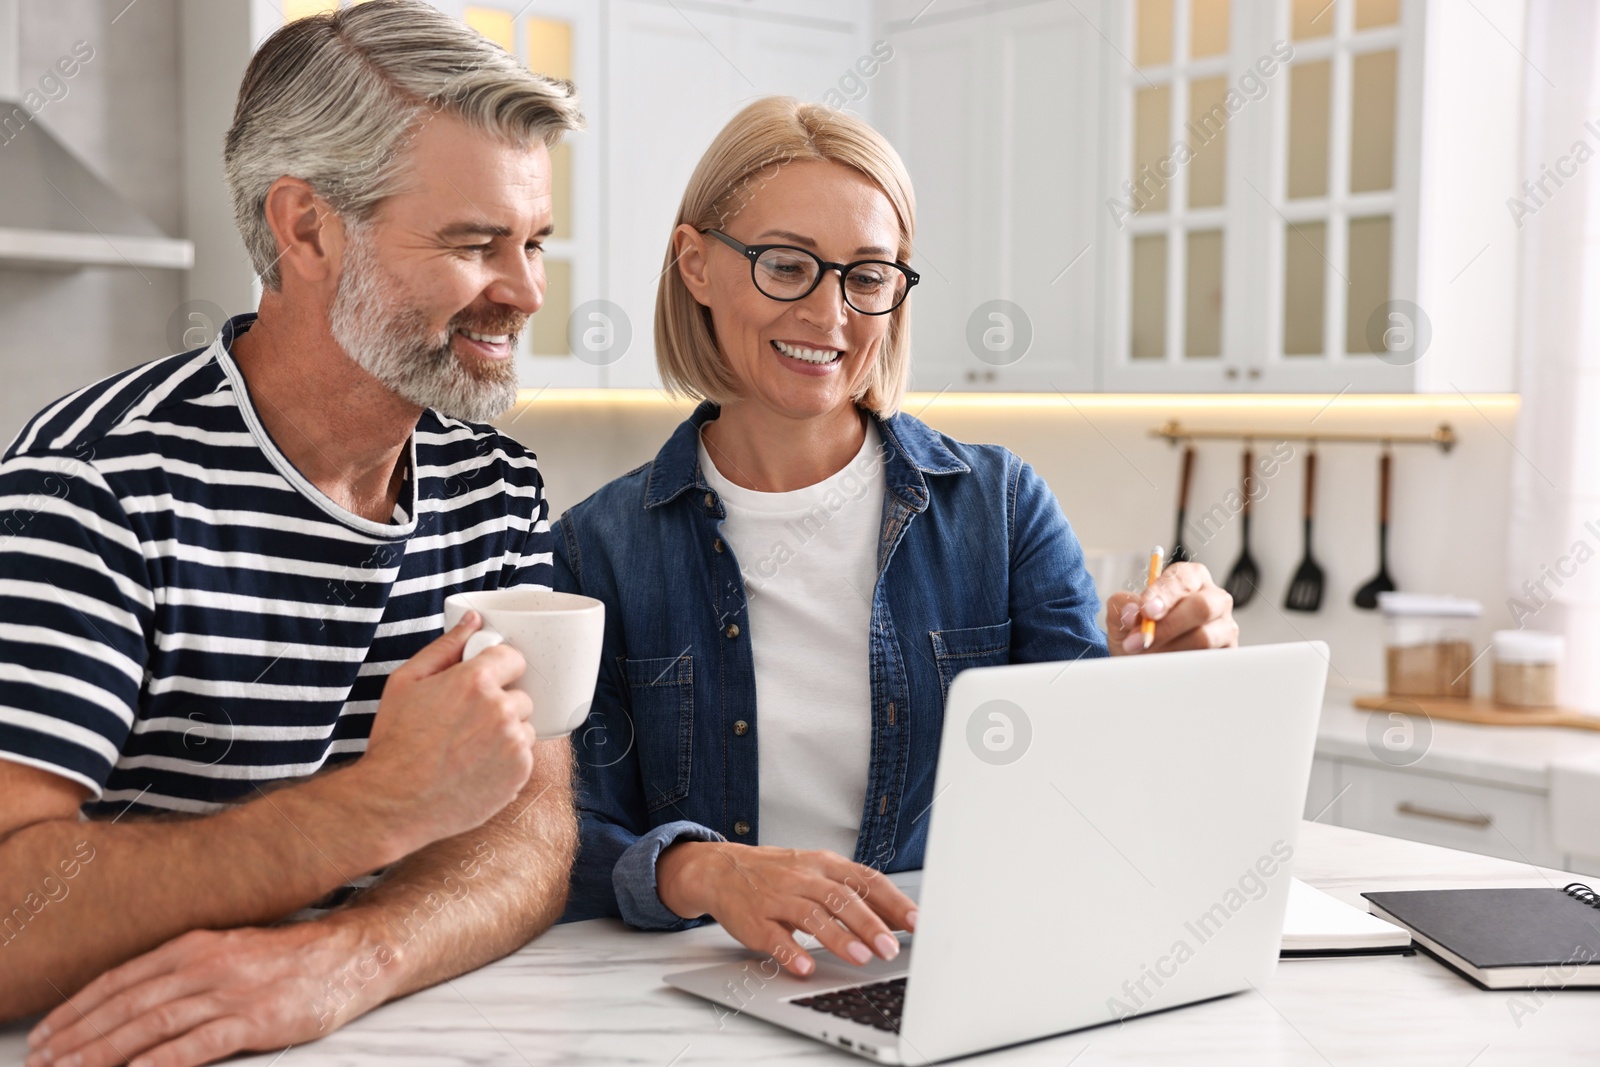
[1367,595]
[1241,583]
[1305,589]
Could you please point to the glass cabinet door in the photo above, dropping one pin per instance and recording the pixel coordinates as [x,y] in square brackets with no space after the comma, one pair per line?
[1338,193]
[1170,213]
[1259,208]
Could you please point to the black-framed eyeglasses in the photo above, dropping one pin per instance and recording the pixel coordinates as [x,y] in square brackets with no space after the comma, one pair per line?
[784,272]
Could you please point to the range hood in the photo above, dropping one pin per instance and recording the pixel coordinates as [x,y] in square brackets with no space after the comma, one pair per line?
[54,210]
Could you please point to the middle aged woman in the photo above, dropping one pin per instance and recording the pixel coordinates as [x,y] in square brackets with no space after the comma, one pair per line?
[793,582]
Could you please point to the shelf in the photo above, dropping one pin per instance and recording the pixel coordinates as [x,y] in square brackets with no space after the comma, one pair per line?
[57,213]
[66,250]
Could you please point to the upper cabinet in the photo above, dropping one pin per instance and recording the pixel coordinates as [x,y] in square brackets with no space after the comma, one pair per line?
[658,80]
[998,115]
[1262,217]
[676,74]
[1198,195]
[1122,195]
[562,38]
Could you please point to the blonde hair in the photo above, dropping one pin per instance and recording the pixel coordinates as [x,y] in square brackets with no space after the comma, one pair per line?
[335,99]
[766,135]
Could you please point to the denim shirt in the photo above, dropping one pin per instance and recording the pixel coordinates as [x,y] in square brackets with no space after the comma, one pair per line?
[976,567]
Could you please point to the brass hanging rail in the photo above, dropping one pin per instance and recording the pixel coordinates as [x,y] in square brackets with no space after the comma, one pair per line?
[1443,436]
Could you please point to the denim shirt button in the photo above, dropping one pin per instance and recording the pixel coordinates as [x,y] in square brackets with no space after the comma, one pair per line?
[711,500]
[732,631]
[718,545]
[741,828]
[741,728]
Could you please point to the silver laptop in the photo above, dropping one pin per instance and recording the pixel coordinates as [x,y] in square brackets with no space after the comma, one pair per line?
[1108,838]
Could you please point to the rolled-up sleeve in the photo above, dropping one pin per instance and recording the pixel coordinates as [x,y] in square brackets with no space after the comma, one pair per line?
[634,876]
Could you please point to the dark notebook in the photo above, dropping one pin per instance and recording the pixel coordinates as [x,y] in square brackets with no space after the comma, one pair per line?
[1505,938]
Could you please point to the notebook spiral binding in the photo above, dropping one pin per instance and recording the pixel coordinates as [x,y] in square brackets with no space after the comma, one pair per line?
[1583,894]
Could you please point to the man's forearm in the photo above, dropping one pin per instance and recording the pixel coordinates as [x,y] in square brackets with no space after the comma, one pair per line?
[464,901]
[77,898]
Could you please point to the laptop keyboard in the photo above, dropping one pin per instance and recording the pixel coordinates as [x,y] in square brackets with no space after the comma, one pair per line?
[877,1005]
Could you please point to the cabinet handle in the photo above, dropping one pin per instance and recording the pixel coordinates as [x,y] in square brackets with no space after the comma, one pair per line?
[1477,821]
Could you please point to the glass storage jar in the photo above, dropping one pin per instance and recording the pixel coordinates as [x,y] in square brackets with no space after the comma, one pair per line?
[1428,644]
[1527,668]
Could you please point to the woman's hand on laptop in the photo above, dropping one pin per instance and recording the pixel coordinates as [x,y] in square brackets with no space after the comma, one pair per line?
[762,895]
[1190,611]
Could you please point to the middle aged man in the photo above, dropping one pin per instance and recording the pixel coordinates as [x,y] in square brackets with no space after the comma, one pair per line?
[223,572]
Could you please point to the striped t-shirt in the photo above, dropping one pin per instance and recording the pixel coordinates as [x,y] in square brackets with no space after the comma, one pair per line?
[184,616]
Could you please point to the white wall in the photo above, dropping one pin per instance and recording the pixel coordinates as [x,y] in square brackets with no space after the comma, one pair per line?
[1118,487]
[60,330]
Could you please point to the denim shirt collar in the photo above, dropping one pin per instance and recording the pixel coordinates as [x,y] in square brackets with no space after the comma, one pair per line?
[913,449]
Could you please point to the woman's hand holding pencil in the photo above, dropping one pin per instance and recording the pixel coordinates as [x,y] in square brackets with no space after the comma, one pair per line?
[1180,608]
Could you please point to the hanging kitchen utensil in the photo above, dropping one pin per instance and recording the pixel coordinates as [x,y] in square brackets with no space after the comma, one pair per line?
[1241,583]
[1305,589]
[1180,551]
[1367,595]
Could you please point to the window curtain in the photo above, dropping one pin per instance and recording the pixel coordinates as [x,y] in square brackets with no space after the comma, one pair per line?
[1553,555]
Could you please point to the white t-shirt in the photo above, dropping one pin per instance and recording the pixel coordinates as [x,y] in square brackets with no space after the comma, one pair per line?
[810,562]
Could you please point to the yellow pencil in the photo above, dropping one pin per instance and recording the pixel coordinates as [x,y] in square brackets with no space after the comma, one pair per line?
[1148,627]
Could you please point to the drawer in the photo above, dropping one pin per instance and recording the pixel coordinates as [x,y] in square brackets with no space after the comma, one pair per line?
[1490,820]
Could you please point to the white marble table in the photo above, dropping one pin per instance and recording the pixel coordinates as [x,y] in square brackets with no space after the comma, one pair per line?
[591,993]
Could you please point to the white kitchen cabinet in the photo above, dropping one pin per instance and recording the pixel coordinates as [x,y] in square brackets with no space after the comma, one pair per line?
[996,113]
[675,75]
[1490,819]
[573,262]
[671,84]
[1478,788]
[1455,812]
[1311,266]
[1022,124]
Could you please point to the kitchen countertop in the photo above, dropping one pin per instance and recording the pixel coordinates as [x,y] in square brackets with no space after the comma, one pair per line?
[591,993]
[1516,756]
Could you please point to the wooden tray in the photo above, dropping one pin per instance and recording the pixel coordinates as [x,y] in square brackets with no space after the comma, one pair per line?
[1485,712]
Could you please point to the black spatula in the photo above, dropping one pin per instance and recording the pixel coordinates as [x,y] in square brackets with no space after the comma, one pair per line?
[1180,551]
[1367,595]
[1305,589]
[1241,583]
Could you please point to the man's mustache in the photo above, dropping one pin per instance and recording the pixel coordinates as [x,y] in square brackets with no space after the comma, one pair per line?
[511,325]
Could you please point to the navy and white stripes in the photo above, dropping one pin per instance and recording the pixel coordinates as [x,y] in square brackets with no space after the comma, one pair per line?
[184,616]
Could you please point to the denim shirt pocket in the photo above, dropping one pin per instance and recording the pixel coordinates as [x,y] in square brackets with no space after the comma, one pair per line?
[662,694]
[974,646]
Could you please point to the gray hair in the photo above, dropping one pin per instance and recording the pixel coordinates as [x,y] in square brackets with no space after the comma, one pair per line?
[334,99]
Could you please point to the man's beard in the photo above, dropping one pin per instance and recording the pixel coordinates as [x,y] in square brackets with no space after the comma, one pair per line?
[393,343]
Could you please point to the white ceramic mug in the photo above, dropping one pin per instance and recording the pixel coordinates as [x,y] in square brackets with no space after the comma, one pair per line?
[559,634]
